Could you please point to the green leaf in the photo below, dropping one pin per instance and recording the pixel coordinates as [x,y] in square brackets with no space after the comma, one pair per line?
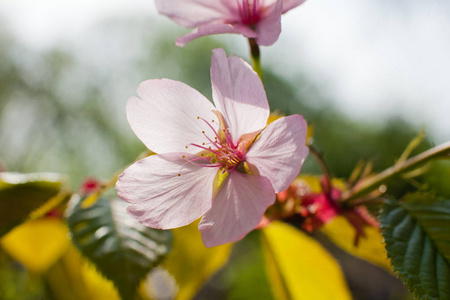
[417,236]
[415,142]
[122,249]
[23,194]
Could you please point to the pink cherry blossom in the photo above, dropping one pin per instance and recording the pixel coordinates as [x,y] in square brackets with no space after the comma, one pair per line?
[259,19]
[221,161]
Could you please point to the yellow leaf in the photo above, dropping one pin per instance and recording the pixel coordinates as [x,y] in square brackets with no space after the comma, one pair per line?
[191,263]
[64,278]
[370,248]
[37,244]
[97,286]
[73,278]
[311,184]
[299,267]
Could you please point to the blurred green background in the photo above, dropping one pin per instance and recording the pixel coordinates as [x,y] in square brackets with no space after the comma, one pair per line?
[64,113]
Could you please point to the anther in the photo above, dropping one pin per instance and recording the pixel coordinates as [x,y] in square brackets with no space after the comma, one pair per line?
[184,156]
[179,174]
[198,118]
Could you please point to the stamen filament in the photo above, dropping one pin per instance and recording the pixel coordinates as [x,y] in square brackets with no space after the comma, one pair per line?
[193,161]
[215,132]
[204,148]
[216,144]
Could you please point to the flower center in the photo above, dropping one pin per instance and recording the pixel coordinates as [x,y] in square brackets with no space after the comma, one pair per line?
[227,155]
[219,152]
[250,11]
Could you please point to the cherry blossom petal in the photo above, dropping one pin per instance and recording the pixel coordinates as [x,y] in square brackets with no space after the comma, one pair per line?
[280,151]
[164,118]
[193,13]
[160,198]
[268,3]
[287,4]
[238,94]
[290,4]
[215,28]
[237,209]
[269,28]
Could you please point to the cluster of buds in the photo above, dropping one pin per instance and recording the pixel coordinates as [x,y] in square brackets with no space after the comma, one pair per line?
[311,203]
[90,185]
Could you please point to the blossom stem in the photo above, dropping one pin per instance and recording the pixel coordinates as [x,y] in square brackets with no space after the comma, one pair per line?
[321,161]
[256,56]
[372,183]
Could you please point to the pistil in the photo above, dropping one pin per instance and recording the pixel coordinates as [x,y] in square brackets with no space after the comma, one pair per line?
[250,11]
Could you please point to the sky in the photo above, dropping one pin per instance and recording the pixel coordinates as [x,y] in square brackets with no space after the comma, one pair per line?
[376,58]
